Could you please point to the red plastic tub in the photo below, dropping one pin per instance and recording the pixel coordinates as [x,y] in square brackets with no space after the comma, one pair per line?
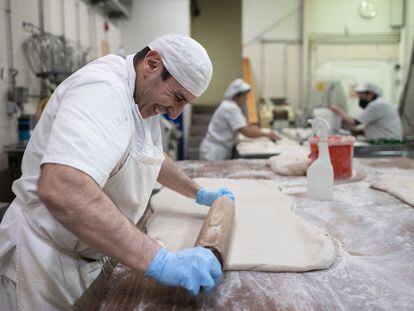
[341,151]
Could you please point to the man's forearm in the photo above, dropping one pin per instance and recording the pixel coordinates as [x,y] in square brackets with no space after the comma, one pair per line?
[173,177]
[84,209]
[252,131]
[347,118]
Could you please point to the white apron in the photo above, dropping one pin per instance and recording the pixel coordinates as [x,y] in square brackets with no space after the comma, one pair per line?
[49,266]
[214,151]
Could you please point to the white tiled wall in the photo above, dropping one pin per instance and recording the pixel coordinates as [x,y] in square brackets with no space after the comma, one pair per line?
[27,10]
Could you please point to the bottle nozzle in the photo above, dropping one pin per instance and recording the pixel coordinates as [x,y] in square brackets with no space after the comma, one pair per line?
[320,127]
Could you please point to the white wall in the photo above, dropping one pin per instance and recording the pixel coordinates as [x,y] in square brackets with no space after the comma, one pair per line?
[340,16]
[82,23]
[271,32]
[82,32]
[270,19]
[152,18]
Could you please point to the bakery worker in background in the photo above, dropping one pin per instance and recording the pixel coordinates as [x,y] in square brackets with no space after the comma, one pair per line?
[380,118]
[227,121]
[88,173]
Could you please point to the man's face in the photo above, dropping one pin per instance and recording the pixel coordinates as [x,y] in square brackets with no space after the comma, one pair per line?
[155,96]
[368,96]
[241,99]
[365,98]
[244,99]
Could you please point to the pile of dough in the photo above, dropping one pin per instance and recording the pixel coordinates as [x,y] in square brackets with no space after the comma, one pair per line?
[267,235]
[401,187]
[292,161]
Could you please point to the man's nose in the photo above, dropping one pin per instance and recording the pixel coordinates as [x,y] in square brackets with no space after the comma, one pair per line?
[175,111]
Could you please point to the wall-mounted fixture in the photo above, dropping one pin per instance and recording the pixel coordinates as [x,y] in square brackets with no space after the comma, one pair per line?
[397,11]
[366,9]
[50,57]
[114,8]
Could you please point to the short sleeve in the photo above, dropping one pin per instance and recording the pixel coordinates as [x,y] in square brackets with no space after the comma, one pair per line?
[91,130]
[236,119]
[372,113]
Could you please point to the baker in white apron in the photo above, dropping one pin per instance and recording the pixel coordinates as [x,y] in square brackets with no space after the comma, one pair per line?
[88,172]
[227,121]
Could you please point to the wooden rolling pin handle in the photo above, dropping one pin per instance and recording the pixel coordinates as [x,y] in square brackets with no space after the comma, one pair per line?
[217,228]
[216,253]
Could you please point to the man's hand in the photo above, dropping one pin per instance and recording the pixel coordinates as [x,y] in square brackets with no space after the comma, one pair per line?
[207,197]
[194,269]
[357,132]
[273,136]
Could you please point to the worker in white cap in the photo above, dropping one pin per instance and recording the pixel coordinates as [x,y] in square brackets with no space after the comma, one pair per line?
[380,118]
[88,173]
[227,121]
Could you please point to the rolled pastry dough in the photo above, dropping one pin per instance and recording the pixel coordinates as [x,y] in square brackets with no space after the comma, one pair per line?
[267,235]
[401,187]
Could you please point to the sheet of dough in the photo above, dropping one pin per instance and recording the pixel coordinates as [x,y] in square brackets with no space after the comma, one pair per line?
[262,145]
[292,161]
[267,235]
[401,187]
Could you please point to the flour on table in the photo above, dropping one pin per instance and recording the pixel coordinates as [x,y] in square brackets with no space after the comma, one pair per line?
[267,235]
[399,186]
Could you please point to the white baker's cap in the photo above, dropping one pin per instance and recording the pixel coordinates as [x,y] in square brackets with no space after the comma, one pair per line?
[186,60]
[368,87]
[237,86]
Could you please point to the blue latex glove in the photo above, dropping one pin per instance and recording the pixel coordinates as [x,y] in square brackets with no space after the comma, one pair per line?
[193,269]
[207,197]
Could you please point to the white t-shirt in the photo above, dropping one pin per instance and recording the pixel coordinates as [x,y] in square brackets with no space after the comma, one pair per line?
[88,124]
[381,120]
[226,120]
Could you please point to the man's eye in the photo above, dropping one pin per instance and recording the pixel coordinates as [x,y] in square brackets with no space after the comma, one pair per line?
[177,98]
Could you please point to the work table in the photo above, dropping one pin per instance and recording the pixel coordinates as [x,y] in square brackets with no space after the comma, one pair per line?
[375,251]
[263,148]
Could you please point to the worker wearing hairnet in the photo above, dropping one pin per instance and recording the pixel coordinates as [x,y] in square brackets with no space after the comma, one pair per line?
[380,118]
[227,121]
[88,173]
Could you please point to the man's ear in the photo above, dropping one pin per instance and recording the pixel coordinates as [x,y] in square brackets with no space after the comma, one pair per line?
[153,61]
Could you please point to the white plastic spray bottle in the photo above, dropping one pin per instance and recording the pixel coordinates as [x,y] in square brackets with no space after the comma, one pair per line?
[320,177]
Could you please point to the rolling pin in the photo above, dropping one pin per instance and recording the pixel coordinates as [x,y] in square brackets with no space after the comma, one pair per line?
[217,228]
